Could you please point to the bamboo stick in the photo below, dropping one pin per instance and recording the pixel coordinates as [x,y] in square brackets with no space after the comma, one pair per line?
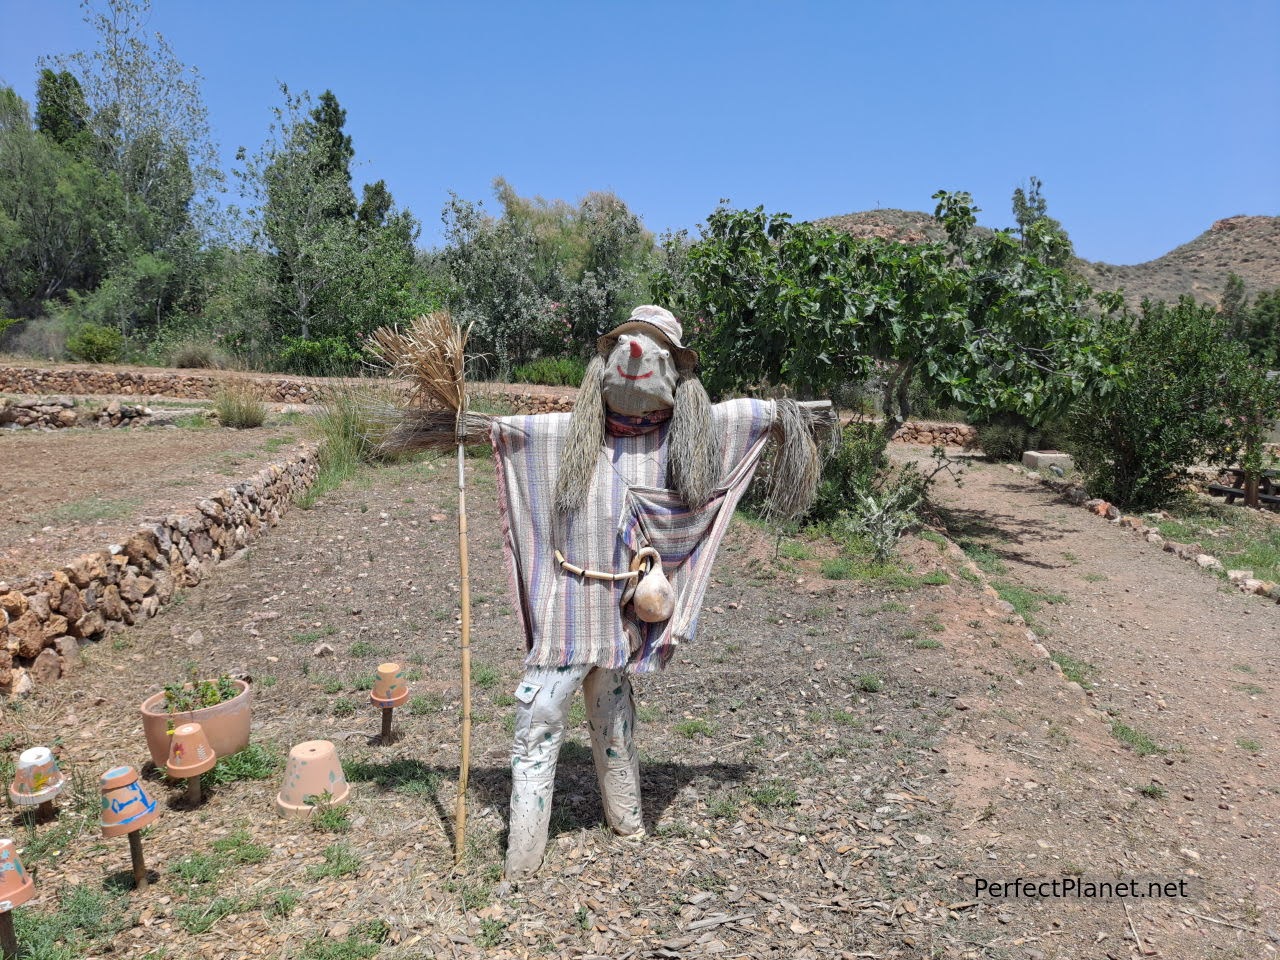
[460,811]
[385,737]
[139,864]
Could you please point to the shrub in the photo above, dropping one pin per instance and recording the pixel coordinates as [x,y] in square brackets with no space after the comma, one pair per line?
[882,517]
[325,356]
[1174,400]
[196,355]
[1003,442]
[553,371]
[94,343]
[851,469]
[237,406]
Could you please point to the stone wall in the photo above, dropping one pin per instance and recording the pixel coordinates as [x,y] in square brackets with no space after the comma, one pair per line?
[205,385]
[46,618]
[930,433]
[57,413]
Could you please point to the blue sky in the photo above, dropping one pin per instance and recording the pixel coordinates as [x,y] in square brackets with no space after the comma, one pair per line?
[1146,121]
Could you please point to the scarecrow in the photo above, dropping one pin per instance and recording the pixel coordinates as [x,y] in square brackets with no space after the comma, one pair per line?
[611,518]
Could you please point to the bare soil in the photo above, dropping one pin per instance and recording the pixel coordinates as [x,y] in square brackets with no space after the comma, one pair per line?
[826,770]
[63,492]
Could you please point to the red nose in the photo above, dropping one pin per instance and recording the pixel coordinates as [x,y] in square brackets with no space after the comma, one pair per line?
[636,350]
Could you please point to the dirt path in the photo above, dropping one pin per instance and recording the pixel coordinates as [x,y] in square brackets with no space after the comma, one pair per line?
[1186,670]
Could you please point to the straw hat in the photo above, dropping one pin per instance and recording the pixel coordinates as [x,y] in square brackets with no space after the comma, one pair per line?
[656,322]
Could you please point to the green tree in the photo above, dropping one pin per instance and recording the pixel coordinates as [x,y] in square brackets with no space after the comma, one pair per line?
[1040,233]
[977,321]
[546,276]
[149,134]
[339,270]
[56,215]
[62,114]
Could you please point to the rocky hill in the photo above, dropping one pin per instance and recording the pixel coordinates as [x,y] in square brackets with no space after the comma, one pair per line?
[1248,246]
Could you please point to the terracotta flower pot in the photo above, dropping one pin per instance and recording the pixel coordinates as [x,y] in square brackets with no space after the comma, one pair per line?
[16,885]
[37,778]
[312,772]
[225,724]
[125,805]
[189,752]
[389,690]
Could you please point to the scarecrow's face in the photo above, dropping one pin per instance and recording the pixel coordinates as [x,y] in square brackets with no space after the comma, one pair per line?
[639,376]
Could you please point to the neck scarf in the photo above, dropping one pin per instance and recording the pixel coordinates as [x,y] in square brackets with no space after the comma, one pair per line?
[620,425]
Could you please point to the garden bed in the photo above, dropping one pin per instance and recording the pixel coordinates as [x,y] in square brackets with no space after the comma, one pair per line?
[67,491]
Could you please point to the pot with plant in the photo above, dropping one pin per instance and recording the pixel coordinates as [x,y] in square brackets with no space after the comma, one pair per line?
[222,706]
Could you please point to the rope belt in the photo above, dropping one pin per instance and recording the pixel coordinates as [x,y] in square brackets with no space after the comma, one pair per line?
[593,574]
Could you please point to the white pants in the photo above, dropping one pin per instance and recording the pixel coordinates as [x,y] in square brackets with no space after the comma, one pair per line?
[543,699]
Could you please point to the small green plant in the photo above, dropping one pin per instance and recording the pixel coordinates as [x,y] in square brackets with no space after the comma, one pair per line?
[424,703]
[332,685]
[194,693]
[869,683]
[238,406]
[582,918]
[363,648]
[254,762]
[1073,669]
[339,860]
[774,793]
[492,932]
[344,707]
[1135,740]
[1154,791]
[197,919]
[723,807]
[795,550]
[327,818]
[364,682]
[1248,745]
[485,677]
[282,903]
[198,868]
[694,728]
[926,643]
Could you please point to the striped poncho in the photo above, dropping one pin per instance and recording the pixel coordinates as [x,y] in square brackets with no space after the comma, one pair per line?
[570,620]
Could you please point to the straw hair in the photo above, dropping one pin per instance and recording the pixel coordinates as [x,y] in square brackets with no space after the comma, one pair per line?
[795,466]
[586,437]
[693,464]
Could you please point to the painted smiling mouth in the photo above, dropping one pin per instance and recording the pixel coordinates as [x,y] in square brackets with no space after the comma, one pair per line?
[638,376]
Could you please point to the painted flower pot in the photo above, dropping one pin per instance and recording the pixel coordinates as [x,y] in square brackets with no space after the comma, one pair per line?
[37,778]
[126,807]
[189,752]
[312,775]
[225,724]
[16,885]
[389,690]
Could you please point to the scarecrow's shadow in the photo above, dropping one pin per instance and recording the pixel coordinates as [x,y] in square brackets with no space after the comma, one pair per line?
[577,803]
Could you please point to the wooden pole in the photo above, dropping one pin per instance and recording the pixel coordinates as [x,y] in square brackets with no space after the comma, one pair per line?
[139,865]
[8,940]
[193,791]
[386,726]
[460,811]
